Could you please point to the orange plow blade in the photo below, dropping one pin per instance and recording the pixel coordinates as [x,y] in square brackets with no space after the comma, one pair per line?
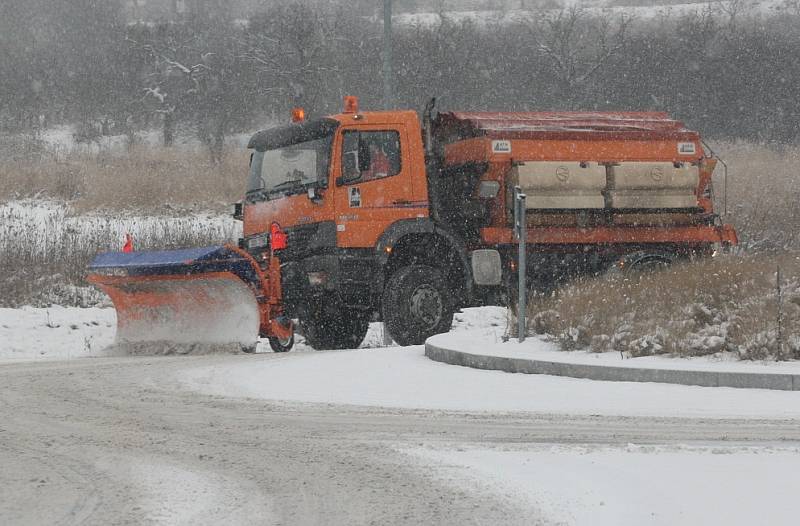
[194,296]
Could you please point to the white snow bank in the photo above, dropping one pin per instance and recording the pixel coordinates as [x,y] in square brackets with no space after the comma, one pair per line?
[635,485]
[486,342]
[405,378]
[55,333]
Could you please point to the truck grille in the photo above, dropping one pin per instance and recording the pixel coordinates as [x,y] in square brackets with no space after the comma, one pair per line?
[305,240]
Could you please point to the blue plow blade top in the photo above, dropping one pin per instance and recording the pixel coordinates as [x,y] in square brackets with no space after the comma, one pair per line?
[156,258]
[183,261]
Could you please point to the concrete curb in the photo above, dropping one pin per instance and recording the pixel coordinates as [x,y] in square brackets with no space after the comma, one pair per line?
[775,381]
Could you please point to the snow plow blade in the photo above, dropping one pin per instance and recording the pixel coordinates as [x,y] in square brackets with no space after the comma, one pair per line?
[206,295]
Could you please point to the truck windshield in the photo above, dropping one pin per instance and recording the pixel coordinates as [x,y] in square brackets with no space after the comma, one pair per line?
[290,169]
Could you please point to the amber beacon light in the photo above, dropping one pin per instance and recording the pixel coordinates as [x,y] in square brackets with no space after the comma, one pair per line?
[350,104]
[298,114]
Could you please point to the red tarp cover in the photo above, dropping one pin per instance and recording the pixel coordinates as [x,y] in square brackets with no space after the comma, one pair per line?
[654,124]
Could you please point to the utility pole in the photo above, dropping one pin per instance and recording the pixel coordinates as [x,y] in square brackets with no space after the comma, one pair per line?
[388,99]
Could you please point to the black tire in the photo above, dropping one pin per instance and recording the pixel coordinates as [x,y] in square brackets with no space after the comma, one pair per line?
[279,345]
[647,262]
[248,348]
[417,304]
[341,329]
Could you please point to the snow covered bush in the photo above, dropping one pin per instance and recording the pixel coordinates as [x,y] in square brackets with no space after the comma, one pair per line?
[725,304]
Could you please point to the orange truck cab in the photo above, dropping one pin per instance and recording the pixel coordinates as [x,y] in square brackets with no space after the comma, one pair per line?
[384,217]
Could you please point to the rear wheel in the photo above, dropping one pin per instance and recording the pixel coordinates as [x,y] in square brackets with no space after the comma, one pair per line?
[334,328]
[417,304]
[646,262]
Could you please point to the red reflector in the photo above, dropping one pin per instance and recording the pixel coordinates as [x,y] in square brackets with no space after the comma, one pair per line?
[278,238]
[128,246]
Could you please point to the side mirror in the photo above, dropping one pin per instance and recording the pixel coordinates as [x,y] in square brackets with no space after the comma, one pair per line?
[313,194]
[350,168]
[363,157]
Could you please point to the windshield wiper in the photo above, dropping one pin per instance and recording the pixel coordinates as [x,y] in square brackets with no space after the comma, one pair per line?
[287,185]
[290,187]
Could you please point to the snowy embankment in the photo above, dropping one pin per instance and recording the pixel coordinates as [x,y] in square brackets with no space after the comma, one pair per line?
[630,486]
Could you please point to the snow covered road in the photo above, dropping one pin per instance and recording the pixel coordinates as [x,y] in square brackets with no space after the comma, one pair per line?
[368,436]
[405,378]
[118,440]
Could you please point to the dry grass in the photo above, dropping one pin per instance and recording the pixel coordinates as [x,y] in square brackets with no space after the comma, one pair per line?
[763,194]
[142,179]
[728,303]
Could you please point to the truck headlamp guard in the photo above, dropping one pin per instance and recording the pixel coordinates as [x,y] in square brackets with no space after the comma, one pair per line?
[258,241]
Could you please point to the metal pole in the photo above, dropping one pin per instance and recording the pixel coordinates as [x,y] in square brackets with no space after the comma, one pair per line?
[388,98]
[780,310]
[521,230]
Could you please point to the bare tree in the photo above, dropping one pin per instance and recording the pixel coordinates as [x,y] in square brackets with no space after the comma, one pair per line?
[293,47]
[578,46]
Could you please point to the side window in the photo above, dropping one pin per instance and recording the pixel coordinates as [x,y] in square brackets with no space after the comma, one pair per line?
[370,155]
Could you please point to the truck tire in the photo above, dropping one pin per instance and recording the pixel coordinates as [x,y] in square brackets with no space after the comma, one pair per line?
[417,304]
[279,345]
[344,330]
[647,261]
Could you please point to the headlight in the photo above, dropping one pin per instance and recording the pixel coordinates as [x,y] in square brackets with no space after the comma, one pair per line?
[261,240]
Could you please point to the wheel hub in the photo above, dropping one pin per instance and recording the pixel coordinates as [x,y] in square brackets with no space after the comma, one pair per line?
[426,305]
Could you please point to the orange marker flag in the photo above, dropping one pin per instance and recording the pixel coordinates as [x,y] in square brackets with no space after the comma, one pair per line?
[128,246]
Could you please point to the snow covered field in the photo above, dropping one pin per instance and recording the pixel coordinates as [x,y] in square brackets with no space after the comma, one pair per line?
[633,485]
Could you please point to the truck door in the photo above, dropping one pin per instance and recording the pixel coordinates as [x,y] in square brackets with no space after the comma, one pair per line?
[375,185]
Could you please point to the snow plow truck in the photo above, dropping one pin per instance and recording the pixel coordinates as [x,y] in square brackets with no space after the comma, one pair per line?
[386,216]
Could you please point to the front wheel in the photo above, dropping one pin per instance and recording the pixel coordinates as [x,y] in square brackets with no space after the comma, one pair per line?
[417,304]
[281,345]
[333,327]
